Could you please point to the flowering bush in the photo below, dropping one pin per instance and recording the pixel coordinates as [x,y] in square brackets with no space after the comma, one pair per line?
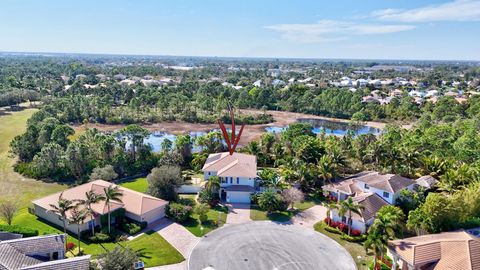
[327,220]
[356,233]
[70,245]
[342,227]
[334,224]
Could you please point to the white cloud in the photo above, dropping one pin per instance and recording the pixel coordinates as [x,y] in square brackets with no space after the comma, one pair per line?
[330,30]
[458,10]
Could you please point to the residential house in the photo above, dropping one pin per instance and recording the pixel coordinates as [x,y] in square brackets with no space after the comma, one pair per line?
[119,77]
[237,173]
[426,181]
[361,188]
[257,83]
[444,251]
[138,206]
[45,252]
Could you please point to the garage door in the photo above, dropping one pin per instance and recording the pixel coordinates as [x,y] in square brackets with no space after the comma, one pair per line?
[238,197]
[154,215]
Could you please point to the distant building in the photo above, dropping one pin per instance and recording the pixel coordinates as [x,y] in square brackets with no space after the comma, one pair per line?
[119,77]
[257,83]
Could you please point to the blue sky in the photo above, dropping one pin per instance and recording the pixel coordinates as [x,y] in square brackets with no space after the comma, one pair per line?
[383,29]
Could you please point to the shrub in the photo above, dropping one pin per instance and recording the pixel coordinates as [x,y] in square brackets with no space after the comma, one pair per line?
[355,232]
[334,224]
[254,198]
[100,238]
[179,212]
[131,228]
[187,201]
[332,230]
[70,245]
[270,201]
[25,231]
[342,227]
[208,197]
[327,220]
[354,239]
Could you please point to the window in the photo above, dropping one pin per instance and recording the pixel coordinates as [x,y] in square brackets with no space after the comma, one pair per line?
[366,186]
[344,219]
[55,255]
[386,194]
[231,180]
[208,173]
[238,180]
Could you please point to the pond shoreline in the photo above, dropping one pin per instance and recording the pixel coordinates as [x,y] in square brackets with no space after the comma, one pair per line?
[250,133]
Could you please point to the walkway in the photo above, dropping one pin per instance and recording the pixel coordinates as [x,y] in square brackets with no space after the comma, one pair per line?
[309,217]
[179,237]
[238,213]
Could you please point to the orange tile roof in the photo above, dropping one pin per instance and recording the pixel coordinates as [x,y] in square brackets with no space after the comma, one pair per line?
[134,202]
[445,251]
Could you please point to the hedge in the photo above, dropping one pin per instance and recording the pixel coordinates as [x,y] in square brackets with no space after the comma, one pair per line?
[25,231]
[354,239]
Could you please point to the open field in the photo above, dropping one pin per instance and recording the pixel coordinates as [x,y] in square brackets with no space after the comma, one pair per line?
[14,185]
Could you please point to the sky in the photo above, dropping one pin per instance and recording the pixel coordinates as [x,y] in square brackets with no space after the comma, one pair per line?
[354,29]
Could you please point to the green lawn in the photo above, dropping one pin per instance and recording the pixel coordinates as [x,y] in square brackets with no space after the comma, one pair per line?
[355,249]
[155,250]
[13,185]
[139,184]
[216,217]
[279,216]
[307,203]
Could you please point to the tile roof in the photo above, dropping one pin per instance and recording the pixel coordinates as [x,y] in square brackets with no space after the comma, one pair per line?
[76,263]
[14,253]
[348,186]
[444,251]
[426,181]
[371,203]
[388,182]
[134,202]
[238,164]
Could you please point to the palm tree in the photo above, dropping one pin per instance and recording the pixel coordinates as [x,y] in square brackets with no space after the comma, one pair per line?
[91,198]
[388,221]
[326,169]
[78,218]
[330,206]
[338,158]
[213,184]
[112,193]
[63,206]
[349,207]
[377,242]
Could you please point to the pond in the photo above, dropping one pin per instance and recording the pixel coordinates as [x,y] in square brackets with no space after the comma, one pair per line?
[156,138]
[330,127]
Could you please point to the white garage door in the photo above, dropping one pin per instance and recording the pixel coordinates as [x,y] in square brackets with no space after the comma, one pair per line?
[238,197]
[154,215]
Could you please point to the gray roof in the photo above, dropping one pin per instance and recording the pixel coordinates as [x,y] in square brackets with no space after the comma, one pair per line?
[388,182]
[240,188]
[426,181]
[14,253]
[77,263]
[4,236]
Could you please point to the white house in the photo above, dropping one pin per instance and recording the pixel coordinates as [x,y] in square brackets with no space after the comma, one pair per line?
[367,189]
[237,173]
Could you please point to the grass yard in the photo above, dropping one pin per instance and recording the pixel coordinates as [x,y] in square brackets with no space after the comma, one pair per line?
[217,216]
[359,255]
[279,216]
[155,250]
[307,203]
[139,184]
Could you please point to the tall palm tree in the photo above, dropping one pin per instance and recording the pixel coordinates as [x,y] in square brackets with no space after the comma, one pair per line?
[330,206]
[326,169]
[213,184]
[377,243]
[91,198]
[348,207]
[112,193]
[62,207]
[388,221]
[78,217]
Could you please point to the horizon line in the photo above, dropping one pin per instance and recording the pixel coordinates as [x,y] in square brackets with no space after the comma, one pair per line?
[235,57]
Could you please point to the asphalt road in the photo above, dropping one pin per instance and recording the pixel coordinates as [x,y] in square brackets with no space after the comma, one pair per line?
[268,246]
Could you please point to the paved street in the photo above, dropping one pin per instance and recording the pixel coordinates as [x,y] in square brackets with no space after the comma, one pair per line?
[269,246]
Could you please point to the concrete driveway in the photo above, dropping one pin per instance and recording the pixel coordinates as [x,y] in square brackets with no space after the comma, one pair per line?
[309,217]
[266,245]
[238,213]
[179,237]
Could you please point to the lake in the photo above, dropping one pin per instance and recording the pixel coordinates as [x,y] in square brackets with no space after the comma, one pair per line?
[330,127]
